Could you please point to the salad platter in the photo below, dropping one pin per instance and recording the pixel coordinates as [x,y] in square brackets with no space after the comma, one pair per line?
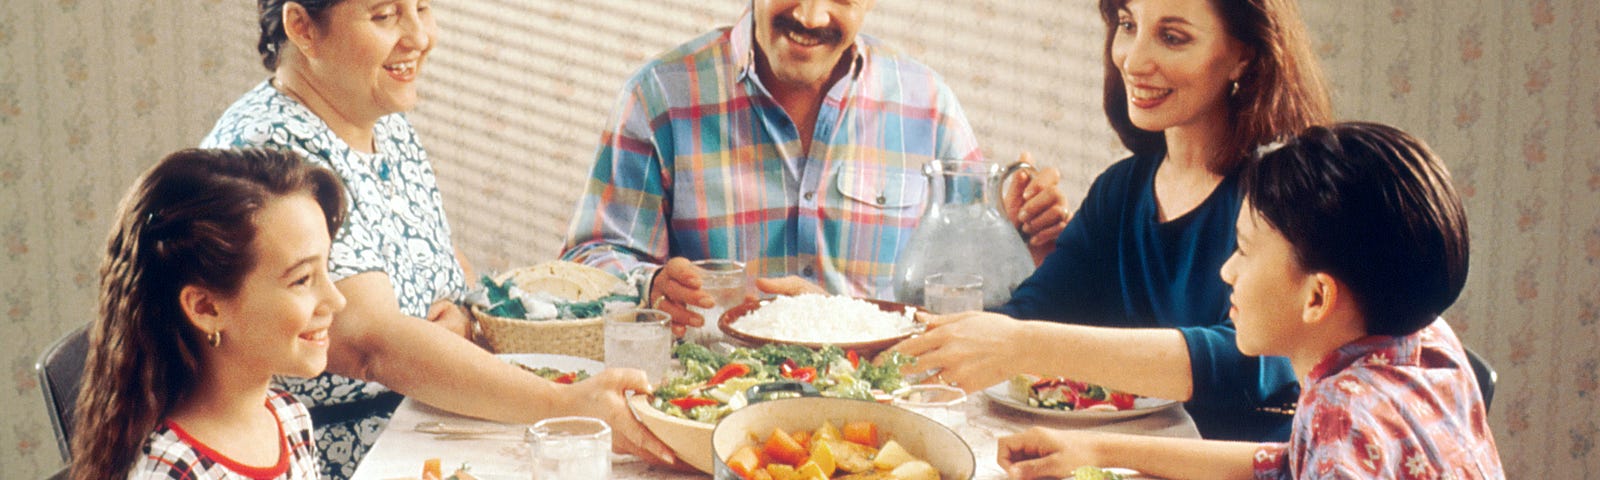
[686,408]
[712,384]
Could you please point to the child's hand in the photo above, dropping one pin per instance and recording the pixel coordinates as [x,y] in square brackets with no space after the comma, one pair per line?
[1042,452]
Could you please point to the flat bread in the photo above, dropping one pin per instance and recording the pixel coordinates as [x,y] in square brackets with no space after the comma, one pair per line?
[573,282]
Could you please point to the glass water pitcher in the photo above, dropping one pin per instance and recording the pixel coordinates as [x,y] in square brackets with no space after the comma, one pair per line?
[962,230]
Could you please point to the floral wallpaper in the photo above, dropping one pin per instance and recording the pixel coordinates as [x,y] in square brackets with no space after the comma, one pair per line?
[1507,91]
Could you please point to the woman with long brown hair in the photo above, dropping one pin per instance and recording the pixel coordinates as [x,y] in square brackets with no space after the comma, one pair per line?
[1130,298]
[214,281]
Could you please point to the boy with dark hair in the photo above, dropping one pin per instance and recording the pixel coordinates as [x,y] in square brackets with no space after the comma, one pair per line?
[1351,243]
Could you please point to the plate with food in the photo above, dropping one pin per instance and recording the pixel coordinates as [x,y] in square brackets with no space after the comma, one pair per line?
[866,326]
[556,368]
[1068,399]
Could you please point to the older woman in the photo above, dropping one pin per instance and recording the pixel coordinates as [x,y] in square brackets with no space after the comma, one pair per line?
[343,73]
[1130,295]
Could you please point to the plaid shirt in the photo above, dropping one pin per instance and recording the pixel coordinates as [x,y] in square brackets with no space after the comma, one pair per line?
[700,161]
[171,453]
[1389,407]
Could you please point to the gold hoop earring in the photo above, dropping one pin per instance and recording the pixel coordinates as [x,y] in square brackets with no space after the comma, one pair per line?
[214,338]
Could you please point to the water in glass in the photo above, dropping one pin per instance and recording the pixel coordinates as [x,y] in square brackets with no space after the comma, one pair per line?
[571,448]
[639,338]
[725,281]
[953,292]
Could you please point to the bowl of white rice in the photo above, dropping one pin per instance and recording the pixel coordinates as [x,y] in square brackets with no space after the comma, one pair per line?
[867,326]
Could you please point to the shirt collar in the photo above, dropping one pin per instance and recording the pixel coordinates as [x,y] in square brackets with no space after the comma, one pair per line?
[743,48]
[1378,349]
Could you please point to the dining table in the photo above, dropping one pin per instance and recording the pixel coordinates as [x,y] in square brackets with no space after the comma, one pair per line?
[498,451]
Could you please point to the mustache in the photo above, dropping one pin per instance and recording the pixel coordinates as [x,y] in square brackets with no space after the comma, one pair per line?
[785,24]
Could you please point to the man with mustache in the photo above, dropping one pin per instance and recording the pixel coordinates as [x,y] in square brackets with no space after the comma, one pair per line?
[789,142]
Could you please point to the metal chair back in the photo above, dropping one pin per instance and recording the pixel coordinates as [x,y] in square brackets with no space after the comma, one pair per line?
[60,371]
[1487,377]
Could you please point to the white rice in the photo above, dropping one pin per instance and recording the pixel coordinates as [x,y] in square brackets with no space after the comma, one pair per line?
[824,319]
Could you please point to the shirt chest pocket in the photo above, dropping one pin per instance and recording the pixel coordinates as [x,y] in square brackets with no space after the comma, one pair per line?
[895,191]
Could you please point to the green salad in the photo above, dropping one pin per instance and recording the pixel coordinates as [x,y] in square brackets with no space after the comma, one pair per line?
[1095,473]
[711,379]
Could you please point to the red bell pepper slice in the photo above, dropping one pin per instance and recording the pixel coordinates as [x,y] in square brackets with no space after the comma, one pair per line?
[688,403]
[806,374]
[567,378]
[731,370]
[855,358]
[1122,400]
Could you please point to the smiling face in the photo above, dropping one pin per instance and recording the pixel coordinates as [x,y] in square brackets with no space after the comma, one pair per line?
[801,41]
[1177,62]
[1269,287]
[278,321]
[369,53]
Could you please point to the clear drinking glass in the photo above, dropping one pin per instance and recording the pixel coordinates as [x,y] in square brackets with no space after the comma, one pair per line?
[953,292]
[726,282]
[639,338]
[942,403]
[570,448]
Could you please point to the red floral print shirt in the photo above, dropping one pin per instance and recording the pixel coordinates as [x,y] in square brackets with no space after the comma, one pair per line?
[1389,407]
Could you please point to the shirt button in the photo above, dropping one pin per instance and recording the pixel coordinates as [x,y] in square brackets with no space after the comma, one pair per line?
[882,200]
[808,272]
[809,195]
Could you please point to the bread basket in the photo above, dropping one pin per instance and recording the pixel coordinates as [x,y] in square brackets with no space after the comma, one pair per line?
[582,337]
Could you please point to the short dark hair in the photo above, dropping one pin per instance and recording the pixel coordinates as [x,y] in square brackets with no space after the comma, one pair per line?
[272,33]
[1373,207]
[1280,92]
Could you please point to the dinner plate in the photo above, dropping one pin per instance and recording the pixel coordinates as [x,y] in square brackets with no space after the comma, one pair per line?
[867,347]
[1001,393]
[1119,471]
[565,363]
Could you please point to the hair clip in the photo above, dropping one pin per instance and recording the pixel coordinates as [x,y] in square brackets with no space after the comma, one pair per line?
[1263,150]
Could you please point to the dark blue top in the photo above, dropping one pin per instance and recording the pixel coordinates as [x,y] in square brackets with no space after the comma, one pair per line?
[1117,265]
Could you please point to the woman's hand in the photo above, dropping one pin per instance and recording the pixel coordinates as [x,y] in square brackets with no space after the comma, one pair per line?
[605,396]
[452,317]
[1048,453]
[968,350]
[674,288]
[1037,208]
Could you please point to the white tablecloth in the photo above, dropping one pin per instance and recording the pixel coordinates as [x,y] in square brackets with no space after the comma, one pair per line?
[400,449]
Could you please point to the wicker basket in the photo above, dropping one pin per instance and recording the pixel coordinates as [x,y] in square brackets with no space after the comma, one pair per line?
[584,337]
[579,338]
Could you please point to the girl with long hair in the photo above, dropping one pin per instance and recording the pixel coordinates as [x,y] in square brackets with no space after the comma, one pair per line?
[215,280]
